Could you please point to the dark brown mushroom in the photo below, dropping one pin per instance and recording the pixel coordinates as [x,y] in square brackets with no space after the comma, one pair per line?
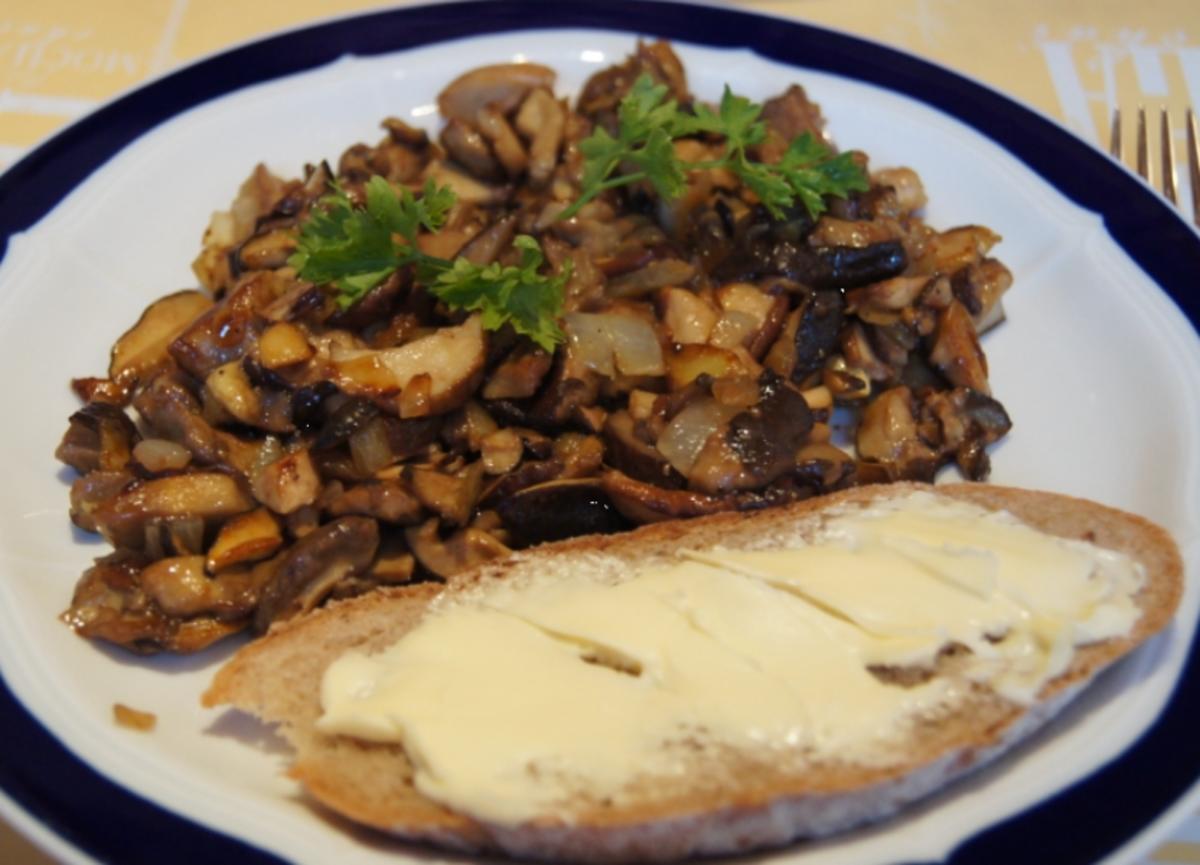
[467,147]
[809,336]
[99,437]
[228,330]
[641,502]
[758,445]
[559,509]
[311,567]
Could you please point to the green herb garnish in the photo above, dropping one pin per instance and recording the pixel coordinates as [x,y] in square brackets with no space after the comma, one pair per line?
[516,294]
[356,248]
[648,123]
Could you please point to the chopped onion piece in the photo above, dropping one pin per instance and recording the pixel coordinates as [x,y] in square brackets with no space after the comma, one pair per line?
[686,434]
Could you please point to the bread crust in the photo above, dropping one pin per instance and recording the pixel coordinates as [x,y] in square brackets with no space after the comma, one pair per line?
[754,803]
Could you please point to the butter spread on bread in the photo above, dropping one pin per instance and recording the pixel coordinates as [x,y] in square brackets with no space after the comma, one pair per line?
[511,699]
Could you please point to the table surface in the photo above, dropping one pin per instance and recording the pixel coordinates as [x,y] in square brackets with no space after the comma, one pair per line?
[1074,61]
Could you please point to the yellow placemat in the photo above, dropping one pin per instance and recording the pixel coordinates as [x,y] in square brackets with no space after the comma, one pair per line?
[1074,61]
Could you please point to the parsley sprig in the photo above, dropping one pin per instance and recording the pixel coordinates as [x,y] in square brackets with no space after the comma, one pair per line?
[648,123]
[355,248]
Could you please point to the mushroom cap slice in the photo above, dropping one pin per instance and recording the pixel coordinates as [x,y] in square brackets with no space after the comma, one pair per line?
[451,359]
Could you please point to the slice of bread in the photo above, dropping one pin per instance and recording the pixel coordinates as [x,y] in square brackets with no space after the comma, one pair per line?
[749,802]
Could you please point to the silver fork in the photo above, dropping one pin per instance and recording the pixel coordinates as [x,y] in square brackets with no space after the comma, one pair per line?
[1166,139]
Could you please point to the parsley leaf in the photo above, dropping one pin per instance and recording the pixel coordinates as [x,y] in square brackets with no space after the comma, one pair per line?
[356,248]
[516,295]
[649,123]
[646,128]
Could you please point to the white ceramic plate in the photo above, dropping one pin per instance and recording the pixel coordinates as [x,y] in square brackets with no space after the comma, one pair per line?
[1098,368]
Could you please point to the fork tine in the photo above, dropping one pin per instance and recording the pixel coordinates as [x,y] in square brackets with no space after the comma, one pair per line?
[1143,146]
[1193,152]
[1168,157]
[1114,135]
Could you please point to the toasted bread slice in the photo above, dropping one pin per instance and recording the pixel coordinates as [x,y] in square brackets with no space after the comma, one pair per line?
[752,802]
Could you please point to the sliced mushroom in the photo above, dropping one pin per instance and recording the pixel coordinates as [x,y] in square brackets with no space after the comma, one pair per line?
[979,288]
[519,375]
[501,451]
[228,330]
[99,437]
[505,145]
[968,421]
[500,87]
[91,491]
[174,414]
[265,251]
[210,496]
[888,434]
[288,483]
[465,549]
[691,362]
[229,385]
[245,538]
[542,119]
[809,336]
[180,587]
[762,313]
[451,496]
[559,509]
[283,345]
[486,247]
[882,302]
[466,188]
[142,350]
[653,276]
[451,359]
[604,91]
[642,502]
[949,251]
[956,351]
[830,231]
[109,604]
[174,536]
[759,443]
[470,149]
[311,567]
[389,501]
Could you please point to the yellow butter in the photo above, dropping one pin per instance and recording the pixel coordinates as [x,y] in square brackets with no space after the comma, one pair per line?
[514,702]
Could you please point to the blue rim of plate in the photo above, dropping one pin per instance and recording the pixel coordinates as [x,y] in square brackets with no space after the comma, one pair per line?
[111,824]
